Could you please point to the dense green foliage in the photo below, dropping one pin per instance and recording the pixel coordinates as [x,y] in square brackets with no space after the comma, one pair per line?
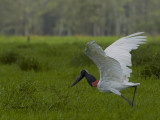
[35,80]
[79,17]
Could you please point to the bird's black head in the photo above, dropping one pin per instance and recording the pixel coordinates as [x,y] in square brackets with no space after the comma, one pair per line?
[90,79]
[83,72]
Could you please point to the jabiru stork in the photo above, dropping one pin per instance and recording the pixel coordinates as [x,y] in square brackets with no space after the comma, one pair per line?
[113,64]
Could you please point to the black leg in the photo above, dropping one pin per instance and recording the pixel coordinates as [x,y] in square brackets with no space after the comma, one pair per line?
[134,94]
[133,97]
[127,100]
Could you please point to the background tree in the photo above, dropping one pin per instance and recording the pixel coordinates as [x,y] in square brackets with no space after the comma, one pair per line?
[79,17]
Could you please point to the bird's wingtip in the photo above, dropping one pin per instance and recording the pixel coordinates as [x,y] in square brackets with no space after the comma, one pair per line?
[135,34]
[90,43]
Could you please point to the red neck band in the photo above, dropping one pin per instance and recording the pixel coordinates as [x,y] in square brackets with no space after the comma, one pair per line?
[94,84]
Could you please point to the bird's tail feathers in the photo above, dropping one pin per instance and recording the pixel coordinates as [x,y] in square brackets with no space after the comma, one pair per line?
[131,84]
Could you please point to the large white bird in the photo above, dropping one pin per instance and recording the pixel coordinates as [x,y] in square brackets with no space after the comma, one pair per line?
[113,64]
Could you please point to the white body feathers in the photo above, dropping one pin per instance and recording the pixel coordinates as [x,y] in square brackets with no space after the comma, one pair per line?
[113,62]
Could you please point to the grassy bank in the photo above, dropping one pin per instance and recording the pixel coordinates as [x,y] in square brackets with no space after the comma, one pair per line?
[35,77]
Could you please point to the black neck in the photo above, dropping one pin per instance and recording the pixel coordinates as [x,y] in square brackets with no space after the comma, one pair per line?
[90,78]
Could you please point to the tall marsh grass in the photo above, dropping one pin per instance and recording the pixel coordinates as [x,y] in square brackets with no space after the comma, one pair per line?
[35,80]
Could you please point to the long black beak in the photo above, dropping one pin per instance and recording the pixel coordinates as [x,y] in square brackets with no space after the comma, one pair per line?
[78,79]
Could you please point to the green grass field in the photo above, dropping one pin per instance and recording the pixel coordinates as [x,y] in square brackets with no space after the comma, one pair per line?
[35,79]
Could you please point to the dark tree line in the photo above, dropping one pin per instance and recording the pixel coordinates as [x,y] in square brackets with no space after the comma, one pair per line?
[79,17]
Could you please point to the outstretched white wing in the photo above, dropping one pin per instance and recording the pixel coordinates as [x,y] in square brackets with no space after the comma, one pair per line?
[110,69]
[120,51]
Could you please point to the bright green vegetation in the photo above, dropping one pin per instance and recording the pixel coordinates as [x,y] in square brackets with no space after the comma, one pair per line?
[35,79]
